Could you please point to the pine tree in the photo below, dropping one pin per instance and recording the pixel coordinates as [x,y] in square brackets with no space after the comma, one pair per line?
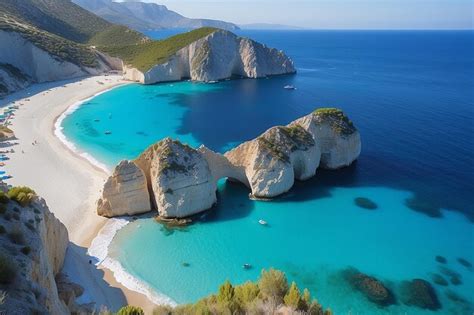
[293,297]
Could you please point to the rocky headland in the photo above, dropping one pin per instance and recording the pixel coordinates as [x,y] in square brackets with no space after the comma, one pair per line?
[179,181]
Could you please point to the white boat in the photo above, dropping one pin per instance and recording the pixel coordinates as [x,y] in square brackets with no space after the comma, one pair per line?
[262,222]
[289,87]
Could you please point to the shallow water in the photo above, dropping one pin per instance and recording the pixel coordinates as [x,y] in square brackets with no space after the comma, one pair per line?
[409,93]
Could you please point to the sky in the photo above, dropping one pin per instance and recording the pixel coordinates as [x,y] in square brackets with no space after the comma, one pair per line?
[334,14]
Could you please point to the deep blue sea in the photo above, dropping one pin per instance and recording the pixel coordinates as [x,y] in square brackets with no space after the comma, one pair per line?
[410,94]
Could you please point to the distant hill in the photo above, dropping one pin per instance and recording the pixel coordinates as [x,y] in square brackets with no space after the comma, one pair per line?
[268,26]
[147,16]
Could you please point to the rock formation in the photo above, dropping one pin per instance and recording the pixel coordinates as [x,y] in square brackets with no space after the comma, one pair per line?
[33,245]
[420,293]
[217,56]
[182,181]
[125,192]
[372,288]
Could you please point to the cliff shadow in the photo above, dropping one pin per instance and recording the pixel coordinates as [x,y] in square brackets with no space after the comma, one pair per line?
[81,269]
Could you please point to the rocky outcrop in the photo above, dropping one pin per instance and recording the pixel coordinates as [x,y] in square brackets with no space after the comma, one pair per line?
[182,181]
[420,293]
[125,192]
[33,245]
[179,179]
[217,56]
[372,288]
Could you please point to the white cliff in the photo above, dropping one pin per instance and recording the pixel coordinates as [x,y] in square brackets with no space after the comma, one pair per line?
[126,192]
[33,245]
[217,56]
[182,181]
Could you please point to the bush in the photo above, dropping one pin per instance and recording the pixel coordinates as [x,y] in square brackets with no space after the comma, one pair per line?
[26,250]
[22,194]
[246,293]
[4,198]
[273,284]
[7,216]
[7,270]
[293,297]
[3,208]
[16,216]
[2,229]
[130,310]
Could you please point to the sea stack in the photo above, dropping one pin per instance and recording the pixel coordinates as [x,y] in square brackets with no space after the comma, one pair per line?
[182,181]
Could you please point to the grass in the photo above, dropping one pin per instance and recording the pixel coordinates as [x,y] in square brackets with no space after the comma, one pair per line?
[338,120]
[145,56]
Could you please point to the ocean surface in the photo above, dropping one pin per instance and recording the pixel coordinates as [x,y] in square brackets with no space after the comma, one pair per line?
[410,94]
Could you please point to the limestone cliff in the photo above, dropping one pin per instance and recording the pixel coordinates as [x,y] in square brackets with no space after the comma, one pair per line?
[33,245]
[217,56]
[182,181]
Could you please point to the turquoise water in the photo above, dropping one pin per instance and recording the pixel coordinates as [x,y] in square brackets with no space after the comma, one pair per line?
[411,96]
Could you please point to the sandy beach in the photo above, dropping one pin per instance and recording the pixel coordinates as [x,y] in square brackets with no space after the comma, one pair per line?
[68,182]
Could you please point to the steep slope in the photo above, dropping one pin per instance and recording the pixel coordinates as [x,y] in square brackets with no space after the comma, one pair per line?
[141,16]
[205,54]
[46,40]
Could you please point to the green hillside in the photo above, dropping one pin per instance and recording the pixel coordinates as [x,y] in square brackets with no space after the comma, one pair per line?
[146,55]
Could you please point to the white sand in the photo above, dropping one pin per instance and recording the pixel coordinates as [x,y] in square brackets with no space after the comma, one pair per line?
[68,182]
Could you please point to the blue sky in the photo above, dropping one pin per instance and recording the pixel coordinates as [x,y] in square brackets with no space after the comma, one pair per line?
[335,14]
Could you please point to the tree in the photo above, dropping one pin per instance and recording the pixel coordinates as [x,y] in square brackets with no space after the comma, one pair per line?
[130,310]
[246,293]
[273,284]
[293,297]
[226,293]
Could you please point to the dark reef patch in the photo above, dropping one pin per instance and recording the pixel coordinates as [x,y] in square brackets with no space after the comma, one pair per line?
[373,289]
[365,203]
[439,280]
[465,263]
[454,276]
[424,206]
[419,293]
[441,259]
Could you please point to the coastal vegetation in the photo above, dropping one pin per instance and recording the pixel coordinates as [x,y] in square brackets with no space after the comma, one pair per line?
[22,195]
[269,294]
[339,121]
[145,55]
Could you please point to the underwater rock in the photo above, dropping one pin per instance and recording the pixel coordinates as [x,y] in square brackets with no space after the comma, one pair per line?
[441,259]
[465,263]
[423,207]
[373,289]
[439,280]
[365,203]
[454,276]
[419,293]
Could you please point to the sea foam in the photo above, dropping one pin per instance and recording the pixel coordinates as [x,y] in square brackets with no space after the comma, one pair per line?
[99,250]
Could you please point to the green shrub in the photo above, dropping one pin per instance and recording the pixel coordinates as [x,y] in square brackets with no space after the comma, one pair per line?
[246,293]
[26,250]
[16,216]
[2,229]
[7,216]
[3,208]
[4,198]
[30,226]
[273,284]
[293,297]
[130,310]
[7,270]
[23,195]
[17,237]
[226,293]
[162,310]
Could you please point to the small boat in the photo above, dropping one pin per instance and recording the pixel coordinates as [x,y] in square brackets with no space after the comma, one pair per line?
[108,132]
[212,81]
[247,266]
[262,222]
[289,87]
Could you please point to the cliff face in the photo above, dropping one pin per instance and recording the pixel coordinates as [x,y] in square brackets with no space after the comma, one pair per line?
[34,65]
[182,181]
[33,246]
[217,56]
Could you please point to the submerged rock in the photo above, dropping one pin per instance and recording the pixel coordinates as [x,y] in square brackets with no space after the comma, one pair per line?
[423,207]
[454,276]
[465,263]
[419,293]
[372,288]
[125,192]
[441,259]
[439,280]
[365,203]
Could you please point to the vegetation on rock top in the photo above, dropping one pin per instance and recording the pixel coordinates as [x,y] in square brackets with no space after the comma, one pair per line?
[145,55]
[338,120]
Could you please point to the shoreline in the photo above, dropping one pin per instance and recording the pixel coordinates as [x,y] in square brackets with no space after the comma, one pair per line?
[69,180]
